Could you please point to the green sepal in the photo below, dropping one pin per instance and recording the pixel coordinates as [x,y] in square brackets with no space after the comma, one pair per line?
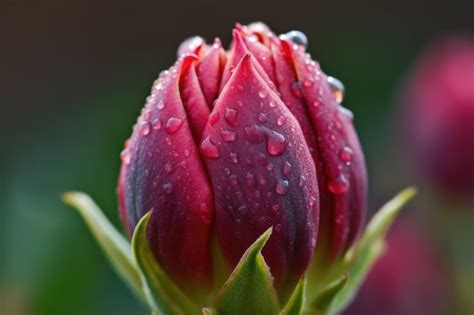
[115,246]
[249,289]
[359,260]
[162,294]
[295,304]
[324,299]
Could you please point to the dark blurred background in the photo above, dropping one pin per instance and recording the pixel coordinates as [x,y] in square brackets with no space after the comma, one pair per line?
[74,76]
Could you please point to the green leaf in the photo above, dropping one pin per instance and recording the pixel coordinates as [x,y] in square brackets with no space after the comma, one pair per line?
[249,289]
[360,259]
[115,246]
[324,299]
[163,296]
[295,304]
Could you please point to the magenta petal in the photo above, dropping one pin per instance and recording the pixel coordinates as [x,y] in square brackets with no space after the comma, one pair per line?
[164,173]
[343,196]
[209,71]
[262,174]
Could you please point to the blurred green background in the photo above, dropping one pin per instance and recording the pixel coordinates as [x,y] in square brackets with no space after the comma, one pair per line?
[75,74]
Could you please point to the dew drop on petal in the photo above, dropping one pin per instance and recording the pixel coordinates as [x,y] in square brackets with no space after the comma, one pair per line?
[231,116]
[173,124]
[250,180]
[280,120]
[160,104]
[296,89]
[338,185]
[276,143]
[144,128]
[282,187]
[262,94]
[346,154]
[262,117]
[156,124]
[228,136]
[286,168]
[234,157]
[168,188]
[337,88]
[125,156]
[213,118]
[209,149]
[296,37]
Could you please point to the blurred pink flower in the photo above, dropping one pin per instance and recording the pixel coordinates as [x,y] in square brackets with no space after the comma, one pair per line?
[409,279]
[438,102]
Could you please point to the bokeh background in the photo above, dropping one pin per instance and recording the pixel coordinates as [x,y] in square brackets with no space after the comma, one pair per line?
[74,76]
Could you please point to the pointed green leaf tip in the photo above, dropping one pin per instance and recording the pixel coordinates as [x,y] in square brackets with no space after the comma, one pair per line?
[115,246]
[359,260]
[323,301]
[249,289]
[295,304]
[162,295]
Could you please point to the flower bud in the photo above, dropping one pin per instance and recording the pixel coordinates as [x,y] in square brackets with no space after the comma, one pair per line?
[438,102]
[235,142]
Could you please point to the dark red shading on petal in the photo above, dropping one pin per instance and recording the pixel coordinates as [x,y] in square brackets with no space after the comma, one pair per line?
[343,195]
[209,71]
[164,172]
[262,174]
[193,98]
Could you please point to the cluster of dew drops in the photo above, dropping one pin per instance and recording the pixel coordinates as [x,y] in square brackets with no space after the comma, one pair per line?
[275,142]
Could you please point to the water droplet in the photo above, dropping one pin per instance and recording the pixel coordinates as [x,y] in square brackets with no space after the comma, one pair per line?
[189,45]
[280,120]
[272,104]
[270,166]
[231,116]
[173,124]
[227,170]
[234,157]
[276,143]
[346,154]
[209,149]
[282,187]
[160,104]
[213,118]
[228,136]
[312,201]
[337,88]
[346,112]
[187,153]
[125,156]
[250,180]
[240,103]
[168,168]
[296,89]
[277,228]
[297,37]
[307,83]
[242,209]
[262,94]
[286,168]
[156,124]
[338,185]
[168,188]
[262,117]
[233,180]
[240,88]
[144,128]
[302,180]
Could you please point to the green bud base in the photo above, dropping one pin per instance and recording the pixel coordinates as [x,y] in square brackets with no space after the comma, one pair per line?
[249,288]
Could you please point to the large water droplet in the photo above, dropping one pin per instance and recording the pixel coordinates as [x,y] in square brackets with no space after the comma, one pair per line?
[276,143]
[231,116]
[337,88]
[189,45]
[228,136]
[346,154]
[282,187]
[339,185]
[209,149]
[173,124]
[297,37]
